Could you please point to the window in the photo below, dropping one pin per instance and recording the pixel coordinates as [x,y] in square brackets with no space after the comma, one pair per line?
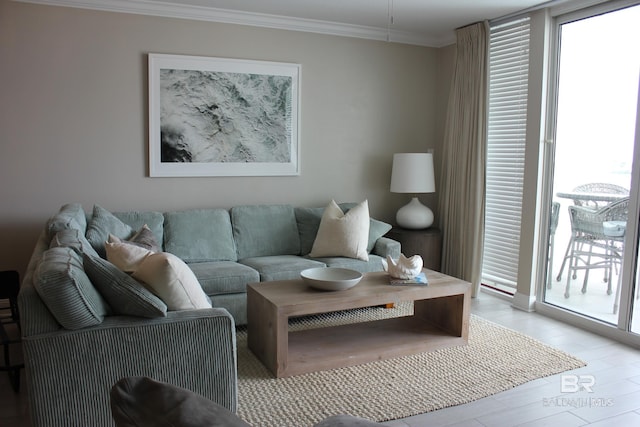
[508,78]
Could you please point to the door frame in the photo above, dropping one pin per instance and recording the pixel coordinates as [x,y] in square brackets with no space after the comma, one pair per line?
[621,331]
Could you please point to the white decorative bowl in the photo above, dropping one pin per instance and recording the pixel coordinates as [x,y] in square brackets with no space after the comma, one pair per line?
[331,278]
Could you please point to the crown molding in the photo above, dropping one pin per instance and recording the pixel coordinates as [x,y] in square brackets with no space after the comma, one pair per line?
[200,13]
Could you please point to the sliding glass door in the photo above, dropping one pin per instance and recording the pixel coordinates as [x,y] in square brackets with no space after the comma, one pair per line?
[592,262]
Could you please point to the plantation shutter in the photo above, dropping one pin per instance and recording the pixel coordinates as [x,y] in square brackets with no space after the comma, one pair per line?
[508,77]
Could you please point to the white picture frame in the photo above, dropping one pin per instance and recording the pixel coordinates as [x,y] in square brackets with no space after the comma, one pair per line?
[222,117]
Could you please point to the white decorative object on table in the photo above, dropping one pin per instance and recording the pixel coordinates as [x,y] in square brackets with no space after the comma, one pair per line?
[331,278]
[404,268]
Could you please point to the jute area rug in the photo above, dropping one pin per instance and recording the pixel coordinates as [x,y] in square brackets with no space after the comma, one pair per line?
[496,359]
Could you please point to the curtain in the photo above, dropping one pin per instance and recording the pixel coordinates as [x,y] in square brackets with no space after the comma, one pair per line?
[462,192]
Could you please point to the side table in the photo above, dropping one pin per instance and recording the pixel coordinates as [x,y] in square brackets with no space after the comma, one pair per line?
[10,327]
[427,243]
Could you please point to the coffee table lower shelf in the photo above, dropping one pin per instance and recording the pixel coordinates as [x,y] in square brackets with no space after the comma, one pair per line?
[354,344]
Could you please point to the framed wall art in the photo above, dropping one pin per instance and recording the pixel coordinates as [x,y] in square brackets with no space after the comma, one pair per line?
[222,117]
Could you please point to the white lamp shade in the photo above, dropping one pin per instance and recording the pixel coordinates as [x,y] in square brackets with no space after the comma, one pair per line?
[413,173]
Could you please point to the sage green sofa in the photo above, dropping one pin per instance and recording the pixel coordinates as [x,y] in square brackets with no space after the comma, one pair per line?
[77,345]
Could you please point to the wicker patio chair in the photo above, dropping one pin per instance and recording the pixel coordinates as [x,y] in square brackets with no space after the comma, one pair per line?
[597,187]
[592,246]
[592,187]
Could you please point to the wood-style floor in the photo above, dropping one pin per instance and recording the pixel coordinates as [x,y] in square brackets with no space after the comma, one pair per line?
[614,401]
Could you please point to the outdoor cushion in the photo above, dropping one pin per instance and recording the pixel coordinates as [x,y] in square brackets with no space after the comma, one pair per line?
[199,235]
[265,230]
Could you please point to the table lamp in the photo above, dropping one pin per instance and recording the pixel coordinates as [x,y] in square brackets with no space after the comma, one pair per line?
[413,173]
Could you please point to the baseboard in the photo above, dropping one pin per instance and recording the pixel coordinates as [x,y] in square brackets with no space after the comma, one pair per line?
[524,302]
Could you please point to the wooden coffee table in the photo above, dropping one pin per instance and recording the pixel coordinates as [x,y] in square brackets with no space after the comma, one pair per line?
[440,319]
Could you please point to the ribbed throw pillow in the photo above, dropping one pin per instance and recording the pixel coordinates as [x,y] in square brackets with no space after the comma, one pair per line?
[124,294]
[63,285]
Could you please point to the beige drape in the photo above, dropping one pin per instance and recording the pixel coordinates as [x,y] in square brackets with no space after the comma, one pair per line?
[461,196]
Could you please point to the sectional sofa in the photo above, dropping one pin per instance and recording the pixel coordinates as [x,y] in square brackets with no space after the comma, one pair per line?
[86,322]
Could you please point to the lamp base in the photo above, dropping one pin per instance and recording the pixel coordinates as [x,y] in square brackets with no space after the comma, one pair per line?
[414,215]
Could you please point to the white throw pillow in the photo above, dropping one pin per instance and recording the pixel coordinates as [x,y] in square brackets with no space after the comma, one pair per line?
[172,280]
[343,235]
[126,256]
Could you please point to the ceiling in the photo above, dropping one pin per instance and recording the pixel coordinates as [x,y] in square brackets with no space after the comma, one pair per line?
[421,22]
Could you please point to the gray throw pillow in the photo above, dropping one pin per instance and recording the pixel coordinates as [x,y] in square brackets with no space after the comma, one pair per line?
[142,402]
[125,294]
[145,239]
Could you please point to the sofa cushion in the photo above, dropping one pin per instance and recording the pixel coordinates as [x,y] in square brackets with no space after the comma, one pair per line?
[124,294]
[224,277]
[374,263]
[172,280]
[102,224]
[343,234]
[280,267]
[72,238]
[199,235]
[65,288]
[70,216]
[265,230]
[144,402]
[138,219]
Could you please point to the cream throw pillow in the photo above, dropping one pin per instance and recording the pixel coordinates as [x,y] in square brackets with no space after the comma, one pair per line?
[343,235]
[126,256]
[172,280]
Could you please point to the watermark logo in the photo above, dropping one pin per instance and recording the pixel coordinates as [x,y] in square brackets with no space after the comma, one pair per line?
[569,384]
[575,383]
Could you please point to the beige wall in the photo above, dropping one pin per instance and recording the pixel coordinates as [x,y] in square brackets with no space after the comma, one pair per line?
[73,116]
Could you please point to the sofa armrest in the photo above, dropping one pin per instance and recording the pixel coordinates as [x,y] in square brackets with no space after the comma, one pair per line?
[385,246]
[69,373]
